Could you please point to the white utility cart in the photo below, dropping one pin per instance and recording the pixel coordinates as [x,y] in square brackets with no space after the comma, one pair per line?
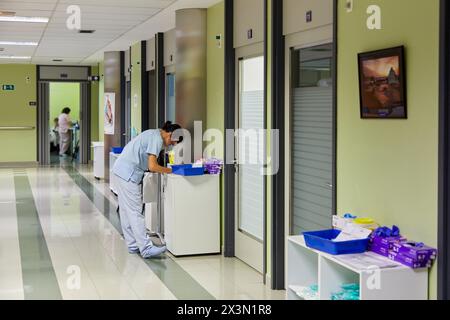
[308,267]
[99,159]
[192,214]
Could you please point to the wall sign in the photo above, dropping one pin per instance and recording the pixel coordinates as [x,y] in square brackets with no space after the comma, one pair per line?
[309,16]
[109,107]
[8,87]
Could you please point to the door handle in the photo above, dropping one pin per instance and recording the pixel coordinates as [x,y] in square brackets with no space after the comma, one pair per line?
[329,185]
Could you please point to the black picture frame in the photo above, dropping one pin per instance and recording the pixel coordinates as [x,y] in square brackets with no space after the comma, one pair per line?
[382,84]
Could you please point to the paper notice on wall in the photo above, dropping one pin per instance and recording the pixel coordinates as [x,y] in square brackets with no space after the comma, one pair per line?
[109,107]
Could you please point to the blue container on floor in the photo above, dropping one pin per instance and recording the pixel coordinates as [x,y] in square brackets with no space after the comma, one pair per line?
[322,241]
[187,170]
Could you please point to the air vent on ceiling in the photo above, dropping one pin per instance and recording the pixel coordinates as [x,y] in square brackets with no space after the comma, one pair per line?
[2,49]
[57,60]
[86,31]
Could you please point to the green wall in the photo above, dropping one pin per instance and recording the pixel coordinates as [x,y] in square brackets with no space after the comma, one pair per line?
[215,67]
[388,169]
[101,94]
[64,95]
[136,88]
[215,88]
[15,111]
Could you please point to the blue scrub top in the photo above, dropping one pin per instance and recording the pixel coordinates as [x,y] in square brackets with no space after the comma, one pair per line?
[133,162]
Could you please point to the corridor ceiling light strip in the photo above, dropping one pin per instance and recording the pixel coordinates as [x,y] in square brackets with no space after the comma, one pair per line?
[18,43]
[15,57]
[23,19]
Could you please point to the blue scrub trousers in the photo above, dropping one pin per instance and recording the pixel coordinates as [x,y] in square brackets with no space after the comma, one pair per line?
[132,217]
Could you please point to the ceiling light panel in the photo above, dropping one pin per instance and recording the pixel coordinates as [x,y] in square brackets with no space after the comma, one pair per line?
[24,19]
[14,57]
[18,43]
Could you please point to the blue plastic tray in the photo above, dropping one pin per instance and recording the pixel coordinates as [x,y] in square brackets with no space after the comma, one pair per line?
[187,170]
[322,241]
[116,150]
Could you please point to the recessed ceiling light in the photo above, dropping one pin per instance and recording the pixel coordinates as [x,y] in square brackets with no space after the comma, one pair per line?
[23,19]
[86,31]
[18,43]
[15,57]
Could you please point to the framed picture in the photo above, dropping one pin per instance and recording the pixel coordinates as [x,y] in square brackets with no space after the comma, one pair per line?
[110,110]
[382,86]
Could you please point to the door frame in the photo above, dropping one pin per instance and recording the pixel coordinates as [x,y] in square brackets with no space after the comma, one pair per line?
[444,155]
[250,51]
[230,124]
[42,123]
[280,182]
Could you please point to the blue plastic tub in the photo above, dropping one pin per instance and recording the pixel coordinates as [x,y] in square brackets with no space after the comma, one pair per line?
[322,241]
[187,170]
[116,150]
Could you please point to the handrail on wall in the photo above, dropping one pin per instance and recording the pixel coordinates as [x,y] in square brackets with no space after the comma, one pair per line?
[17,128]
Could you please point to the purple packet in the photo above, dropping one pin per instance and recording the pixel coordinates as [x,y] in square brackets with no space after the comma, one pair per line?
[381,250]
[409,262]
[386,242]
[415,250]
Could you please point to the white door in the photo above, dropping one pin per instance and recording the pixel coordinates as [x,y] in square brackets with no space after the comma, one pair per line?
[250,198]
[311,138]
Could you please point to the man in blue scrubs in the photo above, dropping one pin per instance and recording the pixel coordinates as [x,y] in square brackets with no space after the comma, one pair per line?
[140,155]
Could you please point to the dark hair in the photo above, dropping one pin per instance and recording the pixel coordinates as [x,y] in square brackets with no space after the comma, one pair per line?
[66,110]
[171,127]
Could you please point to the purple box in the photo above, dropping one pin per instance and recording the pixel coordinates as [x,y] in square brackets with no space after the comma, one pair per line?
[409,262]
[414,250]
[387,242]
[381,250]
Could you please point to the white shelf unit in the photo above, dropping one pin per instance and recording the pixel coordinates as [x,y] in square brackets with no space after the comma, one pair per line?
[308,267]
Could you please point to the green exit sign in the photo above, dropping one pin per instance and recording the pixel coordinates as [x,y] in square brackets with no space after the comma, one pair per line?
[8,87]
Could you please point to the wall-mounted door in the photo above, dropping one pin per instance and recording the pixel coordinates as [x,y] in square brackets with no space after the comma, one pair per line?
[310,141]
[250,189]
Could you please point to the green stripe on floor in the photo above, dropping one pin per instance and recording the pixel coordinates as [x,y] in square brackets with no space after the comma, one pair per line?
[39,278]
[175,278]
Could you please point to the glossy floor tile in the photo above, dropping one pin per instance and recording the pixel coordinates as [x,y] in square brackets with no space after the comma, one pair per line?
[60,238]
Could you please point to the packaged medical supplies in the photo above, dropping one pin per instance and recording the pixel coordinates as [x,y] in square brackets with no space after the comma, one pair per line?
[389,243]
[348,292]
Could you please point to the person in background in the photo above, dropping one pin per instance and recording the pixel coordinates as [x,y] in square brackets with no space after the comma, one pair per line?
[65,137]
[138,156]
[54,136]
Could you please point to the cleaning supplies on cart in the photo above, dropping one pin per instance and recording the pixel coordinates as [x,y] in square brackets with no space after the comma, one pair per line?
[390,243]
[211,165]
[348,292]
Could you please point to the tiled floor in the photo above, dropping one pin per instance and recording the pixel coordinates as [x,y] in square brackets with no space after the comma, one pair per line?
[59,238]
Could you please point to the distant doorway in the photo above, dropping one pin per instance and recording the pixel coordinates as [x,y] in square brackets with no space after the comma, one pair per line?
[64,95]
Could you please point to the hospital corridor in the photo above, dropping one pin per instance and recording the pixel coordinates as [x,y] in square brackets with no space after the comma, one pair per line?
[58,222]
[221,158]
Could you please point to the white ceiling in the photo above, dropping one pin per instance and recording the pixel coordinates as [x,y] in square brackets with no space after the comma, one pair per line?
[118,25]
